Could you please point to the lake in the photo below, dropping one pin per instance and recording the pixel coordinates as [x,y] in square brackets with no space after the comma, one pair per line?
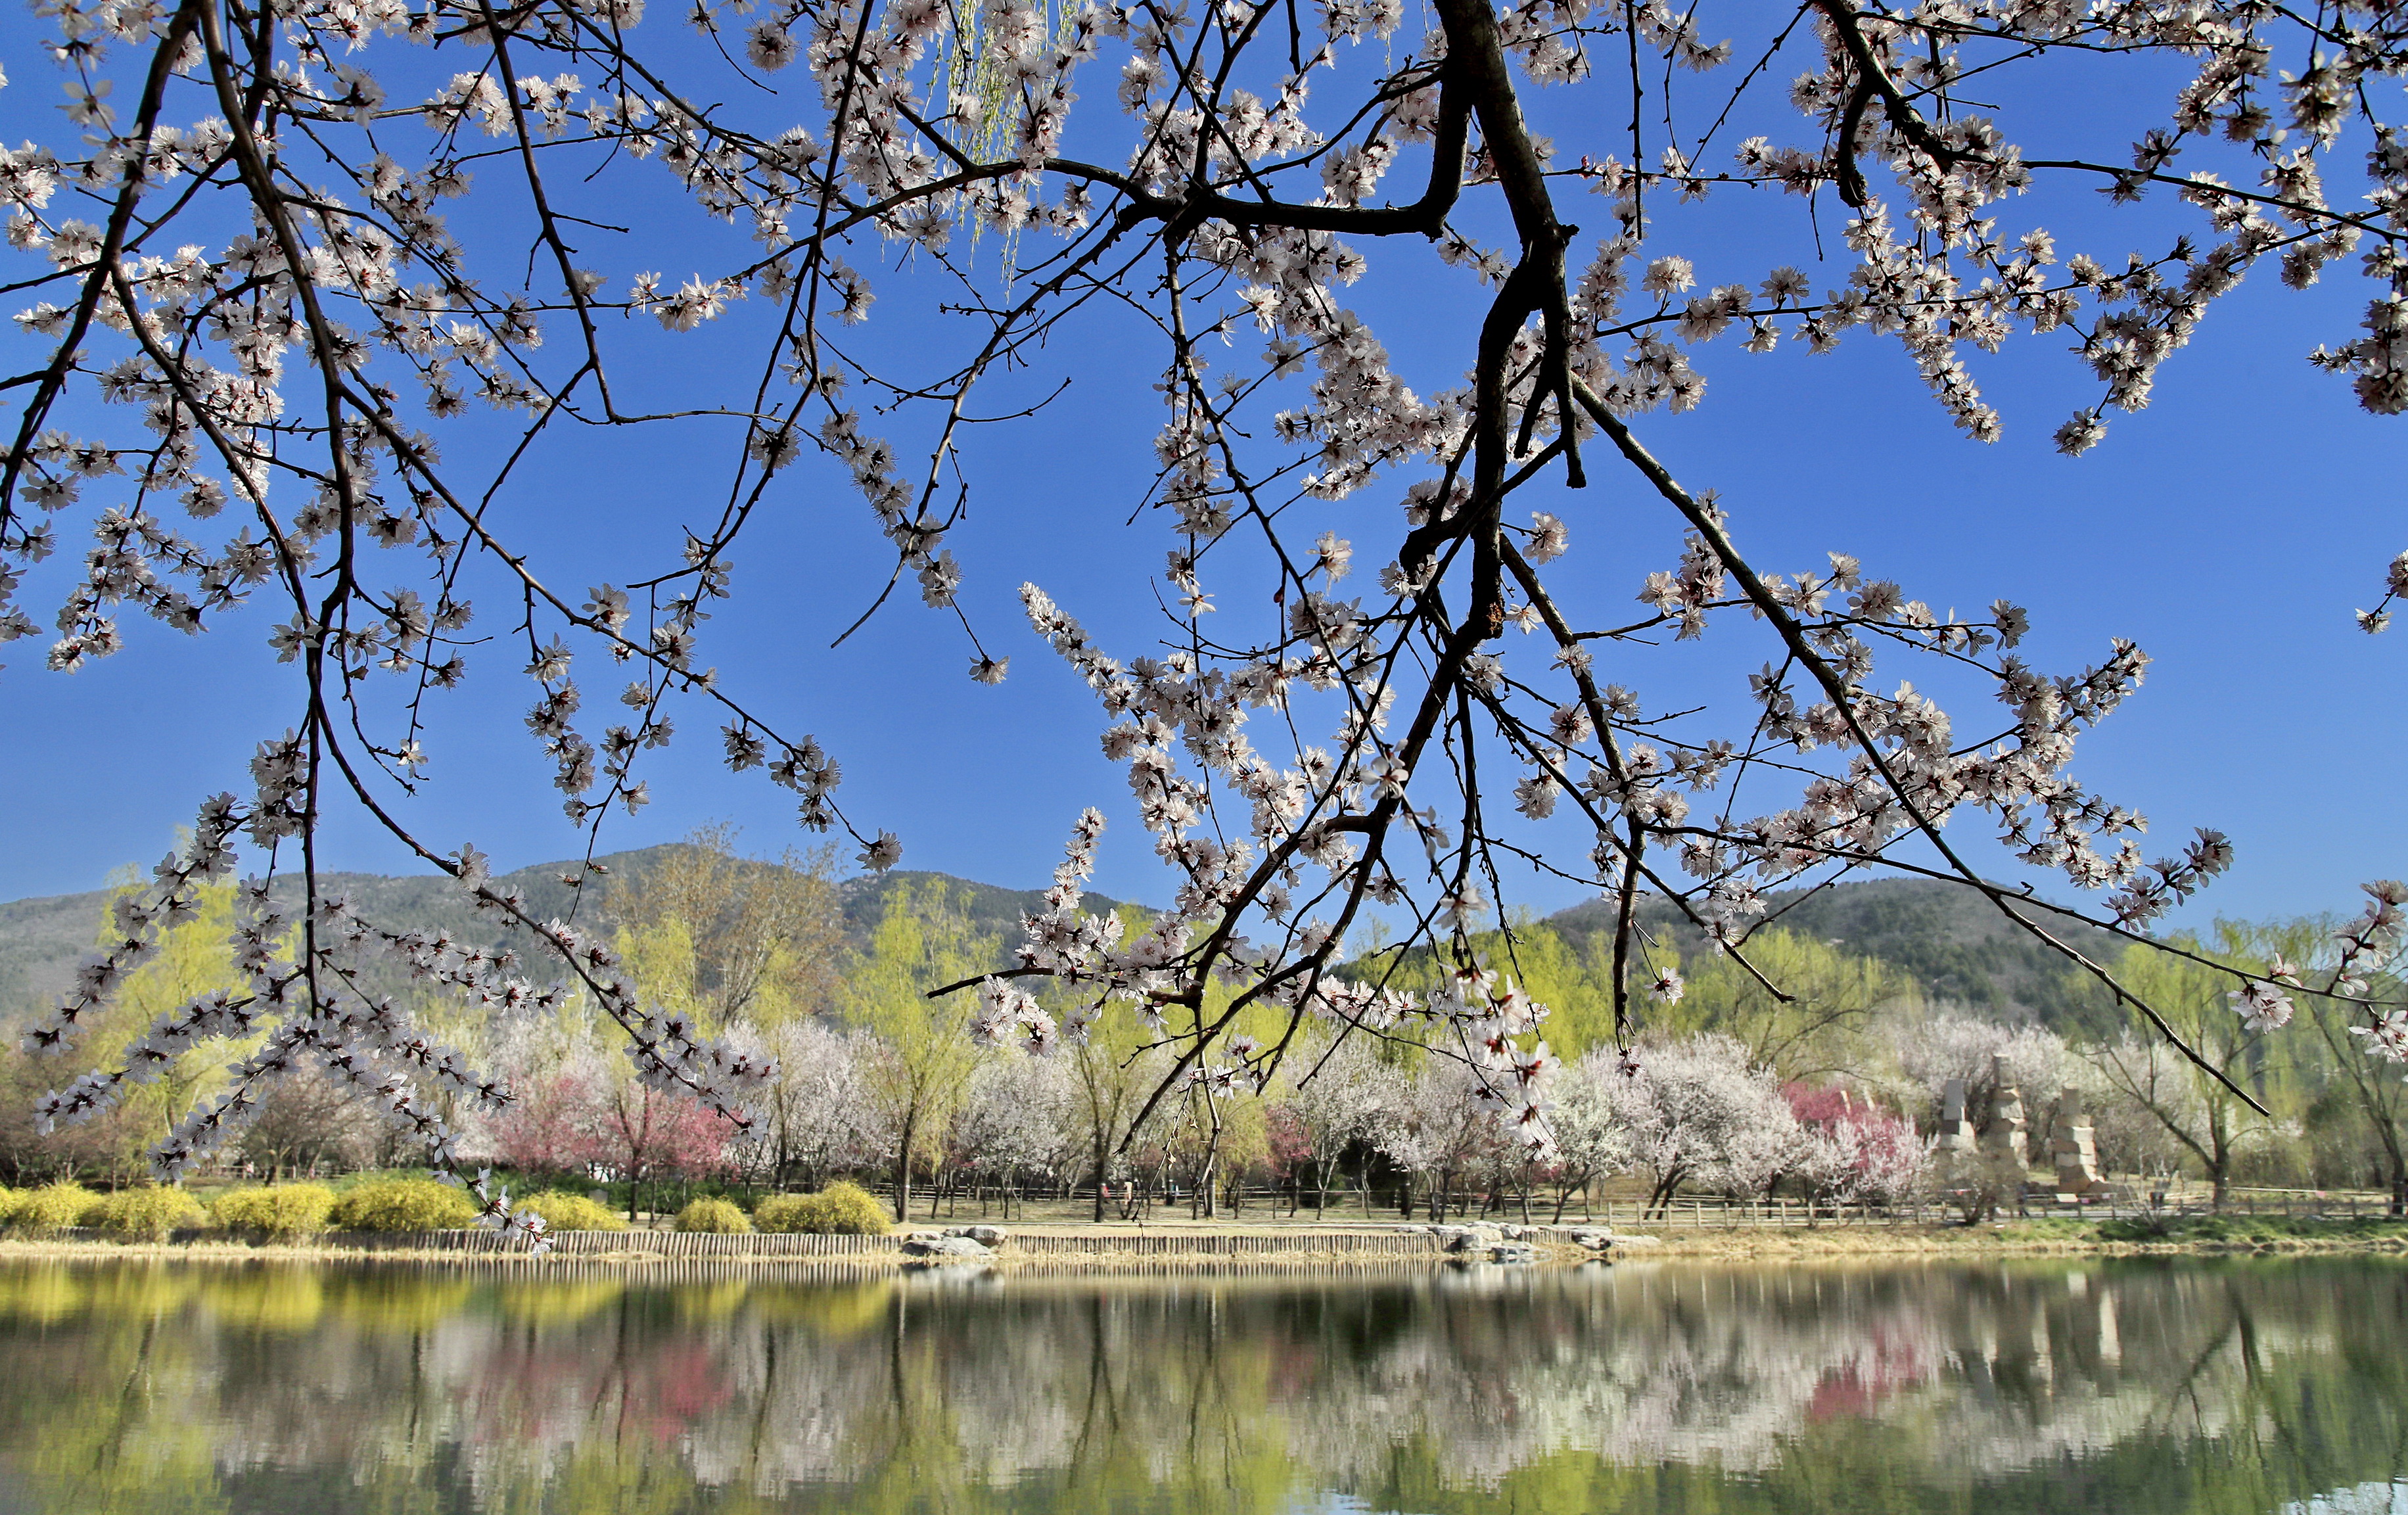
[1998,1388]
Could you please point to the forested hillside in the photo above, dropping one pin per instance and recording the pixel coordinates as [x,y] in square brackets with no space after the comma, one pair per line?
[41,941]
[1955,945]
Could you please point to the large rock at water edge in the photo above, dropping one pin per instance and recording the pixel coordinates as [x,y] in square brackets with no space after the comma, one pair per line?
[946,1248]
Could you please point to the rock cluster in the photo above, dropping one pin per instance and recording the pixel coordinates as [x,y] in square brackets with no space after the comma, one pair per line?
[961,1244]
[1497,1243]
[1519,1243]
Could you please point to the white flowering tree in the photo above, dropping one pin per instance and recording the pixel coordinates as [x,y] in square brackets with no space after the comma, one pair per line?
[1700,1114]
[1436,1130]
[1341,1095]
[1592,1143]
[304,283]
[815,1117]
[1948,1044]
[1019,1123]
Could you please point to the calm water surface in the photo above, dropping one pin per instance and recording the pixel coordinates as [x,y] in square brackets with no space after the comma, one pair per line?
[2196,1386]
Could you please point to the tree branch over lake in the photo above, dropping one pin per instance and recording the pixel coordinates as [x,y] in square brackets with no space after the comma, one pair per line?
[313,289]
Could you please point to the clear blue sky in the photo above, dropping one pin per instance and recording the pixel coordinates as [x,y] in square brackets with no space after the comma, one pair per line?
[2230,529]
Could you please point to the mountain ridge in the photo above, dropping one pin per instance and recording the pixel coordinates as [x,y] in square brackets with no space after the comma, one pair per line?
[43,938]
[1958,947]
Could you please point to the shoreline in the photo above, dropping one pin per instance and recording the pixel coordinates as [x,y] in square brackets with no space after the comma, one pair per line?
[1304,1250]
[1938,1249]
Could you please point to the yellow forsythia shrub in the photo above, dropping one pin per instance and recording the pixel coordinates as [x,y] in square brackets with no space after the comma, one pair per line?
[403,1205]
[53,1206]
[840,1210]
[571,1212]
[718,1217]
[279,1211]
[145,1214]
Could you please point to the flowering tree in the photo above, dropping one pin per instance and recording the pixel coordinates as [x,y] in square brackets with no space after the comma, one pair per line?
[1854,1152]
[1989,1057]
[589,1115]
[552,1128]
[815,1115]
[1018,1121]
[249,308]
[1702,1115]
[1591,1142]
[643,1132]
[1438,1130]
[1341,1092]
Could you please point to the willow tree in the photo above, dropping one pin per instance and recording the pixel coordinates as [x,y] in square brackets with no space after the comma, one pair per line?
[1820,1020]
[191,964]
[2359,1091]
[263,358]
[1115,1066]
[917,1070]
[738,940]
[2217,1109]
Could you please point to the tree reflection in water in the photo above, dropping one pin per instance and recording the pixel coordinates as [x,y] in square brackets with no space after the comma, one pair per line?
[2134,1386]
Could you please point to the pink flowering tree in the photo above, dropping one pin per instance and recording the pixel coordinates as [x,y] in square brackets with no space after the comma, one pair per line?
[644,1134]
[1854,1152]
[266,355]
[581,1120]
[551,1128]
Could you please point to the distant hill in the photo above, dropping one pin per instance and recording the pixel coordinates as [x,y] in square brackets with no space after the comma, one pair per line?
[1952,941]
[41,941]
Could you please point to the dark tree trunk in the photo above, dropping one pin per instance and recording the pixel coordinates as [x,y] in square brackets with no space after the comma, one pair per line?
[903,1173]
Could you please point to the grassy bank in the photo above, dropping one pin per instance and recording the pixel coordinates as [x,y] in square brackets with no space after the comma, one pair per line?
[1116,1249]
[2202,1235]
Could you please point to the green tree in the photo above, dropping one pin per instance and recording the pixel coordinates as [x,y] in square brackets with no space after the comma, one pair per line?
[193,959]
[2198,1106]
[1836,997]
[1572,976]
[924,1054]
[732,939]
[2372,1093]
[2366,1094]
[1113,1071]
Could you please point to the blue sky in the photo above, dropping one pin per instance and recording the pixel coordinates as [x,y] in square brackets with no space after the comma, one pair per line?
[2231,528]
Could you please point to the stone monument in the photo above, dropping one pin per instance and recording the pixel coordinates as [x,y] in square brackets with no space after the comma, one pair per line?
[2073,1149]
[1956,1132]
[2006,1133]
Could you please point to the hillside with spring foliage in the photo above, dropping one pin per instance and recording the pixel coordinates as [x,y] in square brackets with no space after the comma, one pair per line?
[43,939]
